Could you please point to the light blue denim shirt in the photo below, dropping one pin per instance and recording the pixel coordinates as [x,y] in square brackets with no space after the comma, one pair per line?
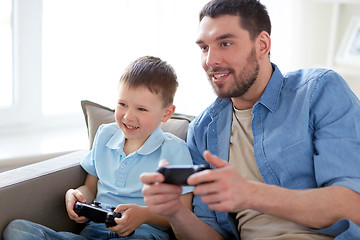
[306,128]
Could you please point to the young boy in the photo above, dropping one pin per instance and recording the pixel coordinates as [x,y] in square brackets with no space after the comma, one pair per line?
[120,153]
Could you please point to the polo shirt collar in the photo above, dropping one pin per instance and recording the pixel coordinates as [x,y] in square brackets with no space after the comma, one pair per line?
[155,140]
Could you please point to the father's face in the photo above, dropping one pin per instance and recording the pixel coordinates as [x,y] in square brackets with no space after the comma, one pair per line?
[228,55]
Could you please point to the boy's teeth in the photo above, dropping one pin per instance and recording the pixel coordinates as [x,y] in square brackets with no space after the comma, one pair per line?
[129,127]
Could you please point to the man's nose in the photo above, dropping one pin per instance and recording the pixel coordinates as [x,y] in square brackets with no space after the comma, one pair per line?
[213,58]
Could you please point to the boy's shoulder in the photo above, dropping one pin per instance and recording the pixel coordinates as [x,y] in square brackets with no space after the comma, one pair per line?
[109,127]
[107,131]
[170,137]
[172,143]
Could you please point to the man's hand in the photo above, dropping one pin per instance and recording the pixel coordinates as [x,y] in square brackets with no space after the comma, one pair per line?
[162,199]
[223,189]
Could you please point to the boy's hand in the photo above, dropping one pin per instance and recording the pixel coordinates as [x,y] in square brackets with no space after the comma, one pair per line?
[71,196]
[132,217]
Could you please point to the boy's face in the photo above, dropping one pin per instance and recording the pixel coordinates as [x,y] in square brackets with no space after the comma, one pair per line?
[139,112]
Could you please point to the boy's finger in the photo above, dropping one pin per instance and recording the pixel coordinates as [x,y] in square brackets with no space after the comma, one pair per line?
[79,196]
[121,208]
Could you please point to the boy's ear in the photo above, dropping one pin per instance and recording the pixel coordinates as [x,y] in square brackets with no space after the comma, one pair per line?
[169,111]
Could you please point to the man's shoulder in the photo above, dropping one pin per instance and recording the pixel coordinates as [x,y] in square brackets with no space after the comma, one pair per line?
[212,111]
[309,77]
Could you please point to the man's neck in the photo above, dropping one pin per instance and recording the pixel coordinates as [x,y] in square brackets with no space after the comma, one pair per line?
[254,93]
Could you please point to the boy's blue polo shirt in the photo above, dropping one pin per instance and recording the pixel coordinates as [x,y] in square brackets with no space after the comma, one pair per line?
[306,135]
[119,174]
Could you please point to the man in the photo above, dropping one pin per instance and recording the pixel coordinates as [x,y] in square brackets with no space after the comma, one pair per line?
[291,143]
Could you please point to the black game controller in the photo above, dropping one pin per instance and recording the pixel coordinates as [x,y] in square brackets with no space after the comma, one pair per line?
[178,174]
[96,213]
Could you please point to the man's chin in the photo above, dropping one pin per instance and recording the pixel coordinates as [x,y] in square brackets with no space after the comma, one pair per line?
[224,95]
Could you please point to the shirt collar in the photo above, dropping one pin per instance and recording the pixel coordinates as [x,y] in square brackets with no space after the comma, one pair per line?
[219,105]
[270,96]
[117,142]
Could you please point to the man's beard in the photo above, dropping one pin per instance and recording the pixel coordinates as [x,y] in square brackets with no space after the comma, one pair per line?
[242,82]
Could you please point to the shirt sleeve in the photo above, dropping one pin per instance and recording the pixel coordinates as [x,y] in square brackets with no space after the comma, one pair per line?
[335,114]
[343,230]
[88,163]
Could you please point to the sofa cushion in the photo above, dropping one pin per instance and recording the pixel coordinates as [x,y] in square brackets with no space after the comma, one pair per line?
[36,192]
[96,114]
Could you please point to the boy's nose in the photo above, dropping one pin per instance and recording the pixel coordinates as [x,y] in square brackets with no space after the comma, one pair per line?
[129,115]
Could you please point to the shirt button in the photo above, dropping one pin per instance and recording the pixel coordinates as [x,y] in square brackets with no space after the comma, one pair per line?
[123,165]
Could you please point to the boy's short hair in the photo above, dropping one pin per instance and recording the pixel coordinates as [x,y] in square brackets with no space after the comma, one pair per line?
[156,75]
[253,15]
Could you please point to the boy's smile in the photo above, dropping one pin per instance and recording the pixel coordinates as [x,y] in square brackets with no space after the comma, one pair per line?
[130,128]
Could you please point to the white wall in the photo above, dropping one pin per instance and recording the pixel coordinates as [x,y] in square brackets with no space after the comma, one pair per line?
[301,38]
[302,35]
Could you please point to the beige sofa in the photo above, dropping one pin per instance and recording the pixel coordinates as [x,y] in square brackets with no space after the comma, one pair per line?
[36,192]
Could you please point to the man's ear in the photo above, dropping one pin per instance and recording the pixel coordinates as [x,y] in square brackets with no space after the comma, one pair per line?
[263,44]
[169,111]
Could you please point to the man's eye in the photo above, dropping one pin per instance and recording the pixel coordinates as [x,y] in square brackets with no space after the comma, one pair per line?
[204,48]
[225,44]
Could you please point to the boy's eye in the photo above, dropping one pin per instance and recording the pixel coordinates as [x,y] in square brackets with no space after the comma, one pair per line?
[142,109]
[122,104]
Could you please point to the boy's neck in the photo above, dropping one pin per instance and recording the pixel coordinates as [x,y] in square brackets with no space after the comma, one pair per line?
[131,146]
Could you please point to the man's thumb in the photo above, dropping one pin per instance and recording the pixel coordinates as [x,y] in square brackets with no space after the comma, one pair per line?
[214,160]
